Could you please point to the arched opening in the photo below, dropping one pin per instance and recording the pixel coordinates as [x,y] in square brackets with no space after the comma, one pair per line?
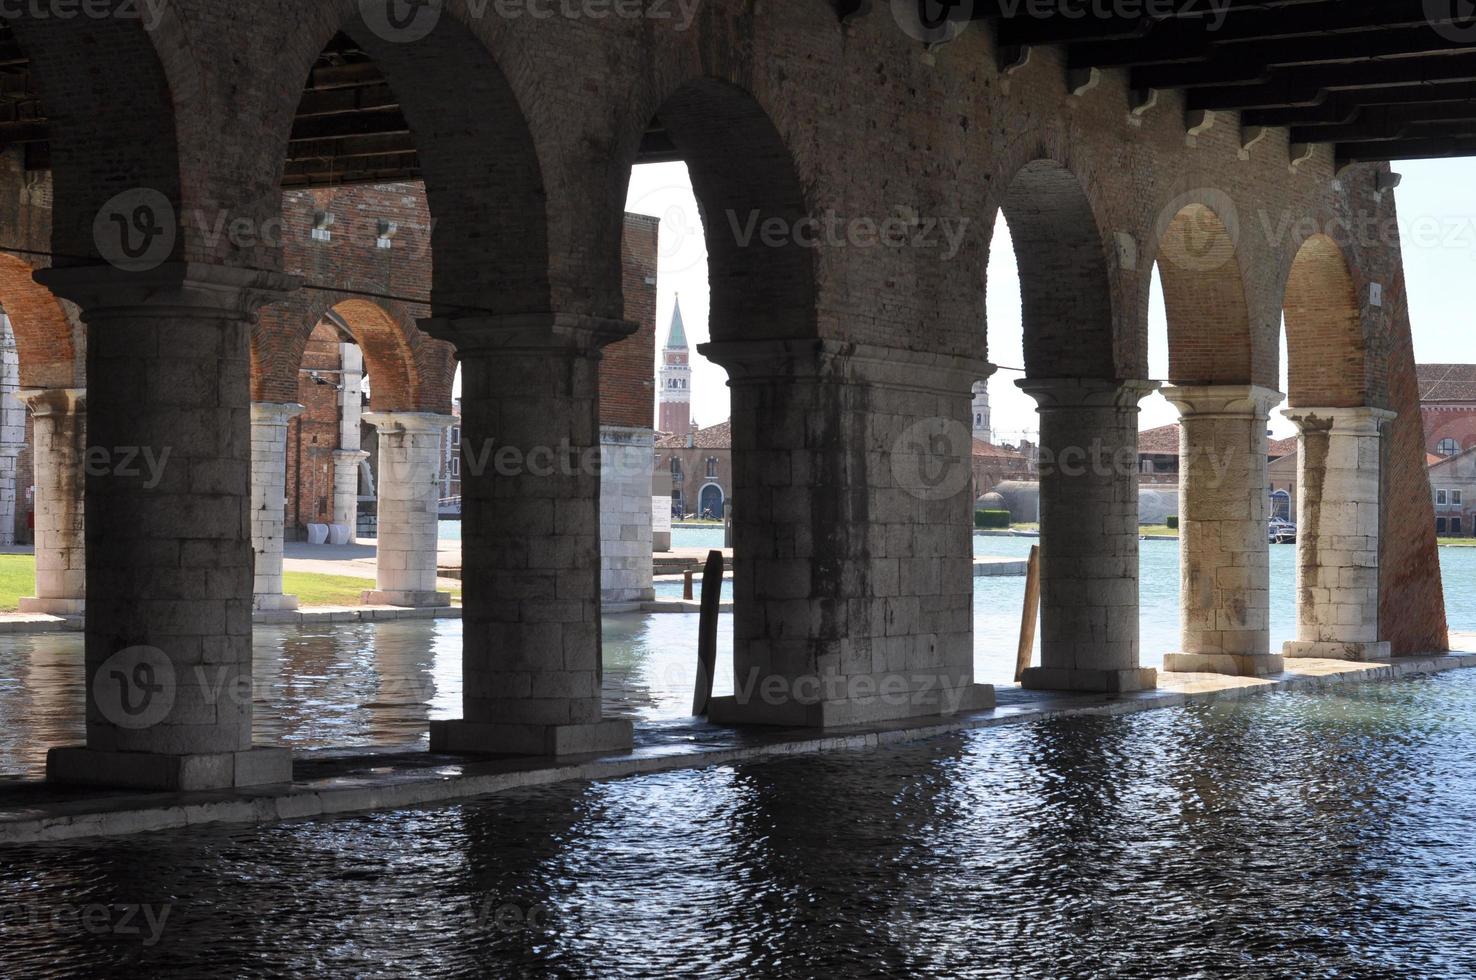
[747,200]
[1324,330]
[1088,411]
[1065,292]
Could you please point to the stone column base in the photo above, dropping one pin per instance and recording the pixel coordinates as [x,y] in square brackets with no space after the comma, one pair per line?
[275,601]
[257,766]
[1097,681]
[409,600]
[479,738]
[851,711]
[1336,651]
[48,606]
[1233,664]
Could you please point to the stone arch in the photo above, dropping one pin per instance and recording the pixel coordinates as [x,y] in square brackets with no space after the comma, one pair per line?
[46,341]
[1065,288]
[1324,329]
[1209,324]
[389,353]
[111,111]
[483,180]
[744,178]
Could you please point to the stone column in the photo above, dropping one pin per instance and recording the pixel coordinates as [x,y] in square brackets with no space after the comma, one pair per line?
[168,516]
[349,455]
[852,534]
[1339,468]
[346,489]
[9,497]
[409,508]
[627,459]
[59,425]
[269,421]
[530,490]
[1088,535]
[1224,507]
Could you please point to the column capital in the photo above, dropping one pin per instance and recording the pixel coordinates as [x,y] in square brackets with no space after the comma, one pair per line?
[274,413]
[1052,394]
[1223,401]
[1357,420]
[528,332]
[409,421]
[193,289]
[760,361]
[53,401]
[344,456]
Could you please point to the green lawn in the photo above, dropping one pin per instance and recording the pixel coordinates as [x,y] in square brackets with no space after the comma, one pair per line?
[17,578]
[332,590]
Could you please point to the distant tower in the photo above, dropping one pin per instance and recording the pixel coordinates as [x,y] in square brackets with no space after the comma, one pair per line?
[675,400]
[981,410]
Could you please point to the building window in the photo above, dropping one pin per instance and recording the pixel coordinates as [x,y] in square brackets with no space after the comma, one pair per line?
[1440,496]
[1447,447]
[1439,525]
[712,465]
[676,470]
[1455,496]
[454,466]
[1455,525]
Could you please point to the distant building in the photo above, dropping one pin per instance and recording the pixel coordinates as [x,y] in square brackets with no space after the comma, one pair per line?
[1448,407]
[1158,455]
[993,465]
[1453,486]
[981,410]
[701,467]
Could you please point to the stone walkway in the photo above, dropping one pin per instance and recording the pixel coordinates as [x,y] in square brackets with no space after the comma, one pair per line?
[347,781]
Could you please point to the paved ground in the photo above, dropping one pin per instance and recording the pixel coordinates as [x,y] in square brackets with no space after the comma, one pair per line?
[346,781]
[357,560]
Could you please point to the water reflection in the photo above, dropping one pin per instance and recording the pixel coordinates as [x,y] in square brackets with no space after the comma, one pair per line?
[1293,835]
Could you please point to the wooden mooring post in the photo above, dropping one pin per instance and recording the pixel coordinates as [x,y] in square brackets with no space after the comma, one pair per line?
[712,594]
[1026,652]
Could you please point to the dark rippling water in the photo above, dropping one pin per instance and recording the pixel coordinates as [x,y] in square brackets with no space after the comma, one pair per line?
[1288,836]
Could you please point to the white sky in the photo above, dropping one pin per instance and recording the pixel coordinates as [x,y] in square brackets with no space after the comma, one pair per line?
[1437,206]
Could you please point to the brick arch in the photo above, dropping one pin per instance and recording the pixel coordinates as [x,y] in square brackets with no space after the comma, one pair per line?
[744,176]
[1325,343]
[1065,289]
[397,355]
[111,111]
[1204,296]
[483,180]
[45,340]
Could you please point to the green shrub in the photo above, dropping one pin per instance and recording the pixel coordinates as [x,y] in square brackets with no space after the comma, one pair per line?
[1172,522]
[992,518]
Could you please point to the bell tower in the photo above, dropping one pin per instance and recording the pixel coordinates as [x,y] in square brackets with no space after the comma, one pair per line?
[675,398]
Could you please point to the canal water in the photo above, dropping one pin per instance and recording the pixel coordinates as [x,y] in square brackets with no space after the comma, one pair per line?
[343,684]
[1327,835]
